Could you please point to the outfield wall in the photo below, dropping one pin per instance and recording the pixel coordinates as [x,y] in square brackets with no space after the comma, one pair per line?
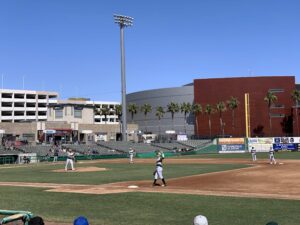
[232,145]
[241,145]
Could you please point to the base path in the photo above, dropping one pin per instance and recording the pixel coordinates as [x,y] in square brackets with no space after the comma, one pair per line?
[281,181]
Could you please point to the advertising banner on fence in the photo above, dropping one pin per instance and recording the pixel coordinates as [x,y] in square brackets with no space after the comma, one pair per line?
[281,146]
[286,140]
[260,144]
[231,148]
[260,140]
[231,141]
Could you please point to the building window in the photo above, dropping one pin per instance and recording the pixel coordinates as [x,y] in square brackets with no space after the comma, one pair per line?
[58,113]
[277,106]
[276,90]
[78,113]
[277,115]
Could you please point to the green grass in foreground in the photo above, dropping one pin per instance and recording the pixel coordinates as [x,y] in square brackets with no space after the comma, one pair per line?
[115,173]
[263,155]
[149,208]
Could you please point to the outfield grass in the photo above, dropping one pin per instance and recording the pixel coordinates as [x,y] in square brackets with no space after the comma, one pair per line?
[116,172]
[149,208]
[137,208]
[262,155]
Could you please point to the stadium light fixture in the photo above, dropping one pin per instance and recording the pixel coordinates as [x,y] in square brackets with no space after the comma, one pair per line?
[123,21]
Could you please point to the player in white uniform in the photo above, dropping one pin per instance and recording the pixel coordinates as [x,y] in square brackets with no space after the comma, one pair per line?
[70,159]
[131,153]
[253,153]
[272,156]
[158,173]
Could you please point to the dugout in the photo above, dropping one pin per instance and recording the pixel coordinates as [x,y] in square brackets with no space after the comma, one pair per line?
[8,158]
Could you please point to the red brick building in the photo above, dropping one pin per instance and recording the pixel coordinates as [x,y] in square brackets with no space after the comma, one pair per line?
[212,91]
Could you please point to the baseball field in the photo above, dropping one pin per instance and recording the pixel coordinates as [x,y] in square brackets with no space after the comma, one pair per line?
[228,189]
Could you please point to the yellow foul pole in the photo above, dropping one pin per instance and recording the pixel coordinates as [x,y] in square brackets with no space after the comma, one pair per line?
[247,115]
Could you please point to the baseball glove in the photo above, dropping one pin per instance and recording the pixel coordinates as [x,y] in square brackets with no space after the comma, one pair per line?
[154,172]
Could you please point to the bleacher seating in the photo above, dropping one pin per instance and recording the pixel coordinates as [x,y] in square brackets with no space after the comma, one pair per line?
[92,149]
[40,150]
[114,147]
[124,146]
[172,146]
[196,143]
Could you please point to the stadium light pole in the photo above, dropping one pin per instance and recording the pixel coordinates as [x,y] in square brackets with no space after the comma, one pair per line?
[123,21]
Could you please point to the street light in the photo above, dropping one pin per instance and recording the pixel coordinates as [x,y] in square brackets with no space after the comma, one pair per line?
[123,21]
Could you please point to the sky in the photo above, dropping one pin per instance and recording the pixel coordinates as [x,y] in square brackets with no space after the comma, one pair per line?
[73,46]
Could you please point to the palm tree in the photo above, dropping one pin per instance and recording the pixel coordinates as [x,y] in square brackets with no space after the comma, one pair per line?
[209,110]
[197,109]
[133,109]
[173,108]
[296,98]
[185,108]
[159,114]
[118,111]
[232,105]
[105,112]
[270,99]
[146,108]
[221,107]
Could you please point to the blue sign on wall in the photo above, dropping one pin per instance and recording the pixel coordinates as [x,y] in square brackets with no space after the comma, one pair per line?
[292,147]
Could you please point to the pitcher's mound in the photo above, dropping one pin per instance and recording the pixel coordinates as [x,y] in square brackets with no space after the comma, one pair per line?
[82,169]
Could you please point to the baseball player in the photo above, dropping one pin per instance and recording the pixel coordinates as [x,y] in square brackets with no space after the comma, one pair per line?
[253,153]
[70,159]
[131,153]
[272,156]
[158,173]
[55,155]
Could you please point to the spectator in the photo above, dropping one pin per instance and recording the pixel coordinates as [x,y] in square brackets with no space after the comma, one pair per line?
[200,220]
[55,155]
[81,220]
[36,221]
[272,223]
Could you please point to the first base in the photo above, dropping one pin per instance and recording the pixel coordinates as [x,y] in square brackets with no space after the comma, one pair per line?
[133,186]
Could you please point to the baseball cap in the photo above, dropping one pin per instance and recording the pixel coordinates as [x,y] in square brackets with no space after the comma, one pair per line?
[200,220]
[272,223]
[36,221]
[81,220]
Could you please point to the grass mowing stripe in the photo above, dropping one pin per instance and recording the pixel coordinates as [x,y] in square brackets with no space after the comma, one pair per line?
[116,172]
[149,208]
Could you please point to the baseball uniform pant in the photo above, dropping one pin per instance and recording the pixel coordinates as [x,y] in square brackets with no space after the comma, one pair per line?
[158,173]
[69,161]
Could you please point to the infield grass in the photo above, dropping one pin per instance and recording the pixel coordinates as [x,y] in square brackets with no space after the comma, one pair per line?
[43,173]
[149,208]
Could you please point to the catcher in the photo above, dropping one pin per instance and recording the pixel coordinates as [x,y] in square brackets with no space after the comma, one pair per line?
[159,169]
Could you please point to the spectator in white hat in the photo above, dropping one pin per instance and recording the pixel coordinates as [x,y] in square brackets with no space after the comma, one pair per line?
[200,220]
